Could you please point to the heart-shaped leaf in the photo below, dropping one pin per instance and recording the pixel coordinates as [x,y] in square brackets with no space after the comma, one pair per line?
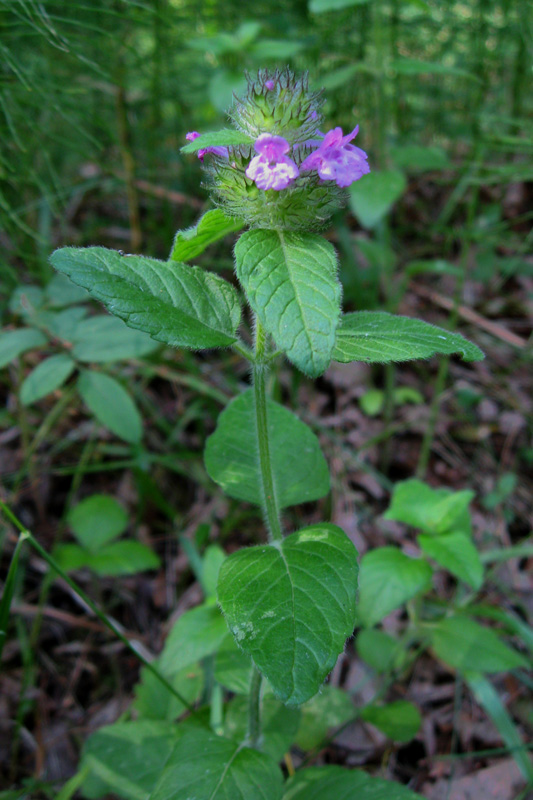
[291,606]
[290,280]
[300,471]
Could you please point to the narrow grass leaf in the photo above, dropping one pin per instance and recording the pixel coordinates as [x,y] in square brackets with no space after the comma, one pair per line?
[7,594]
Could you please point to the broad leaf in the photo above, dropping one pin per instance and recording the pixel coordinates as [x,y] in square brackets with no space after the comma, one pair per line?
[270,593]
[328,709]
[48,376]
[126,557]
[372,197]
[299,469]
[60,292]
[233,668]
[111,405]
[102,339]
[337,783]
[387,579]
[381,651]
[456,553]
[227,137]
[290,280]
[208,767]
[214,225]
[61,324]
[379,337]
[154,701]
[435,511]
[465,645]
[279,724]
[127,758]
[14,343]
[320,6]
[179,305]
[197,633]
[97,520]
[399,720]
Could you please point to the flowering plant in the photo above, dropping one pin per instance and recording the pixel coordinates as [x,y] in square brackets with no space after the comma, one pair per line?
[289,604]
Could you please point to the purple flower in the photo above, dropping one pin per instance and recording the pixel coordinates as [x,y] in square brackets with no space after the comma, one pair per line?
[218,151]
[337,160]
[272,168]
[269,85]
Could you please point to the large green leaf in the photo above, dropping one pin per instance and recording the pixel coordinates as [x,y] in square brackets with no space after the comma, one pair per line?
[197,633]
[154,701]
[299,469]
[387,579]
[381,651]
[111,405]
[379,337]
[102,339]
[176,304]
[372,197]
[127,758]
[399,720]
[126,557]
[97,520]
[291,606]
[435,511]
[291,282]
[48,376]
[465,645]
[233,668]
[227,137]
[204,766]
[214,225]
[457,553]
[14,343]
[337,783]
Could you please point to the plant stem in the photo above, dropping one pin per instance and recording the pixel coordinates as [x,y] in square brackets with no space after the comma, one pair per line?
[270,506]
[254,708]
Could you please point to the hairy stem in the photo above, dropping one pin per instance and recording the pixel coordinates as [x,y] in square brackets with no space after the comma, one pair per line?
[254,708]
[270,506]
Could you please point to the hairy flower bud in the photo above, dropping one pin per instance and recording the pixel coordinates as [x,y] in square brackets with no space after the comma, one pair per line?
[291,175]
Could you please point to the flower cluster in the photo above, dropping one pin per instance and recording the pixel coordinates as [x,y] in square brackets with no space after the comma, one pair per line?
[291,174]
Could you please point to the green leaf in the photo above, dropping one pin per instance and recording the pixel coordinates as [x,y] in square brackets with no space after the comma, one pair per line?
[103,339]
[330,708]
[320,6]
[211,563]
[269,594]
[387,579]
[197,633]
[372,197]
[279,724]
[126,557]
[61,324]
[154,701]
[214,225]
[399,720]
[111,405]
[290,280]
[8,591]
[456,553]
[71,556]
[233,668]
[208,767]
[227,137]
[299,469]
[435,511]
[379,337]
[128,757]
[61,292]
[179,305]
[465,645]
[25,300]
[97,520]
[48,376]
[221,90]
[337,783]
[14,343]
[489,699]
[381,651]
